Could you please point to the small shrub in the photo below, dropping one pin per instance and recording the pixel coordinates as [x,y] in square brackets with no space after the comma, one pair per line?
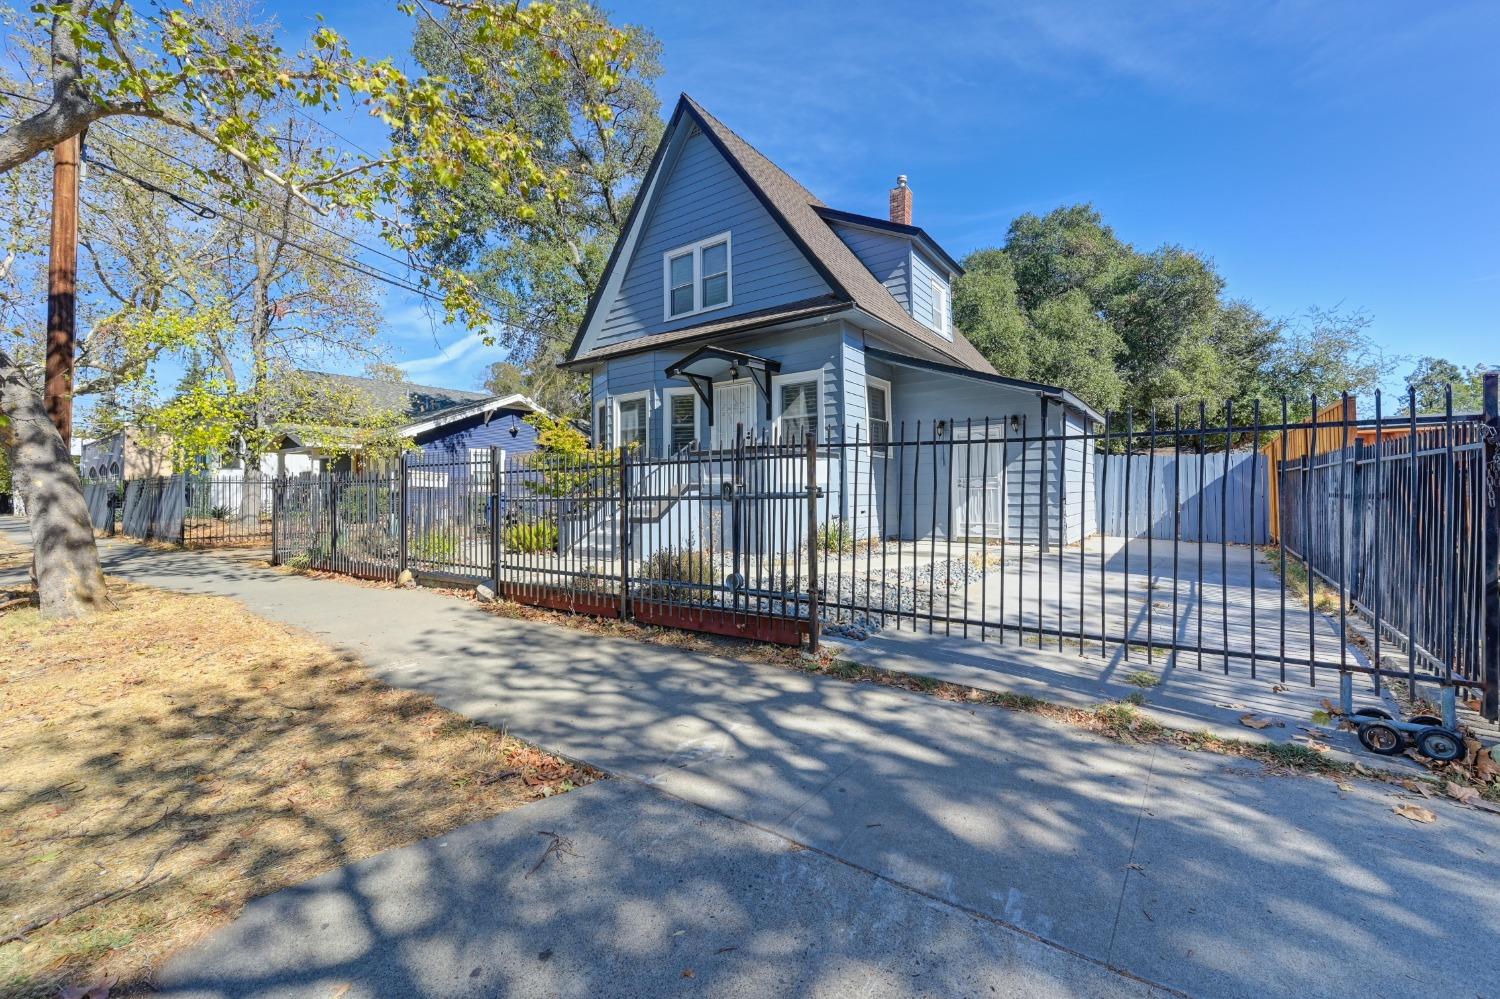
[437,546]
[677,565]
[1141,678]
[1135,697]
[531,538]
[835,536]
[219,512]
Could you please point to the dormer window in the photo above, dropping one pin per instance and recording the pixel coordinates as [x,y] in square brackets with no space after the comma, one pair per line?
[696,278]
[939,317]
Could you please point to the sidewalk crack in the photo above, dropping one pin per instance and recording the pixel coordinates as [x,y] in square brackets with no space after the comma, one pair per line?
[1114,930]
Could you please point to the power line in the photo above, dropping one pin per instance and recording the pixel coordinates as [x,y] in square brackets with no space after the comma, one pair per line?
[205,212]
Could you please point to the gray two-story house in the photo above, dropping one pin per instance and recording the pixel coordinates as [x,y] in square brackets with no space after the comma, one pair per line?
[736,302]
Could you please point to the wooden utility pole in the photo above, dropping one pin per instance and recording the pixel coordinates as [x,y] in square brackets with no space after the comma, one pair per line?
[62,282]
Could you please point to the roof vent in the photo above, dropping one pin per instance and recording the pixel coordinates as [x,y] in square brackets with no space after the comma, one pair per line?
[901,202]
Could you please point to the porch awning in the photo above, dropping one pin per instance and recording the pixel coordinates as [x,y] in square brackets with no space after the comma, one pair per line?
[703,365]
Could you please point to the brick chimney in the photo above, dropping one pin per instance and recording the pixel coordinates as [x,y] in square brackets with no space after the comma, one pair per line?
[901,202]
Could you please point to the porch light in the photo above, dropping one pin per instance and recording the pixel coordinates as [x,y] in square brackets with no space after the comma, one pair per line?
[1015,423]
[515,428]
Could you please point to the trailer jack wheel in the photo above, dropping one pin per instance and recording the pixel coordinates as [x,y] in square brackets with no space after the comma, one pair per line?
[1381,739]
[1441,745]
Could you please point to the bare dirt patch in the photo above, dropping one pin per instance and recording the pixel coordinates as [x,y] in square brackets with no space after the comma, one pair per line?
[163,764]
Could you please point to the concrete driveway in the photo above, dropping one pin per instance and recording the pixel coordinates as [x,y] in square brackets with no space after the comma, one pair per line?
[1199,874]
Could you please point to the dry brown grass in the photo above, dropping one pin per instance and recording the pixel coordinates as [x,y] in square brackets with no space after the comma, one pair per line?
[193,756]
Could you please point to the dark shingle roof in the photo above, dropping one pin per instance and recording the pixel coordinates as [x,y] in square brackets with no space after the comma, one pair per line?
[407,397]
[742,323]
[798,210]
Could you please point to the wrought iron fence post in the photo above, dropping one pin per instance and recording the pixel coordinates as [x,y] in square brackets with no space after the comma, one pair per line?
[276,485]
[623,546]
[402,468]
[1491,551]
[494,504]
[812,543]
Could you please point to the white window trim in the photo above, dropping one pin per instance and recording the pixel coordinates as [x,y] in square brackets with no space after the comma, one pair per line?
[645,397]
[819,419]
[697,251]
[667,396]
[881,383]
[603,422]
[940,296]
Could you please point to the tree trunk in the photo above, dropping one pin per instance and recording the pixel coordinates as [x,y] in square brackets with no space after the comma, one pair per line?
[69,580]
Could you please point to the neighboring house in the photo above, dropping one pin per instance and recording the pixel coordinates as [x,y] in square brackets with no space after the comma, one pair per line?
[442,423]
[736,301]
[124,455]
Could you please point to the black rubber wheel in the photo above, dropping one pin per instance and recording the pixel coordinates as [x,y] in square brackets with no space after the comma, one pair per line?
[1372,713]
[1381,739]
[1440,744]
[1432,720]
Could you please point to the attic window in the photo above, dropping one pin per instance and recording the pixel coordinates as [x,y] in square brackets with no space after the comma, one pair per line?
[939,319]
[696,278]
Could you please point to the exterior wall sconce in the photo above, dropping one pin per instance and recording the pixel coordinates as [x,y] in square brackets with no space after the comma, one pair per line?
[1015,424]
[942,428]
[515,428]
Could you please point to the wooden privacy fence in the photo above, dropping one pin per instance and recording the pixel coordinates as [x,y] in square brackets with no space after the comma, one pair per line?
[1210,497]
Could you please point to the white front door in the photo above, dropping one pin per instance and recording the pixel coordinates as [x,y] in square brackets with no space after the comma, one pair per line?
[978,488]
[734,406]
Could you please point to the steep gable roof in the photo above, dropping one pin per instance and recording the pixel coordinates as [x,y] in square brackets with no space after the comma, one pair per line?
[796,210]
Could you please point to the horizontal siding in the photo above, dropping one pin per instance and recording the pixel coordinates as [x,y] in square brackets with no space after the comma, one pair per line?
[797,350]
[887,256]
[702,196]
[455,440]
[922,274]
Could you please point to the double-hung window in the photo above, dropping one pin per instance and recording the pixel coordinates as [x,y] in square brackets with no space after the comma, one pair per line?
[630,422]
[798,408]
[939,307]
[696,278]
[682,420]
[878,411]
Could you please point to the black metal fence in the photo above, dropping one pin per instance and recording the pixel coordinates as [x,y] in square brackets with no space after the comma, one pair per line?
[987,530]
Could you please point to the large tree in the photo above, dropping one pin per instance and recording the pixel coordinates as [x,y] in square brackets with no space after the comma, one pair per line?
[1066,301]
[1433,375]
[537,259]
[107,63]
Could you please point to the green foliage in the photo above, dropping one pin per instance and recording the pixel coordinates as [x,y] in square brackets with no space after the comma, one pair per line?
[536,257]
[219,512]
[567,462]
[835,536]
[433,546]
[531,538]
[1433,374]
[677,566]
[1067,302]
[1140,678]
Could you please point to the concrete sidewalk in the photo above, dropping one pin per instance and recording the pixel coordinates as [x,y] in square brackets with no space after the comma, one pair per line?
[651,897]
[1202,873]
[1184,697]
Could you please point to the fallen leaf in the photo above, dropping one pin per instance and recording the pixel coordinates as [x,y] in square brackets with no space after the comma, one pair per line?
[1278,688]
[1346,787]
[1361,769]
[1251,721]
[689,973]
[1414,812]
[1462,792]
[1321,747]
[340,992]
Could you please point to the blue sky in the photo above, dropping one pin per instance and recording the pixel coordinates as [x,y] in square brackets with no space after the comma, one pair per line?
[1322,153]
